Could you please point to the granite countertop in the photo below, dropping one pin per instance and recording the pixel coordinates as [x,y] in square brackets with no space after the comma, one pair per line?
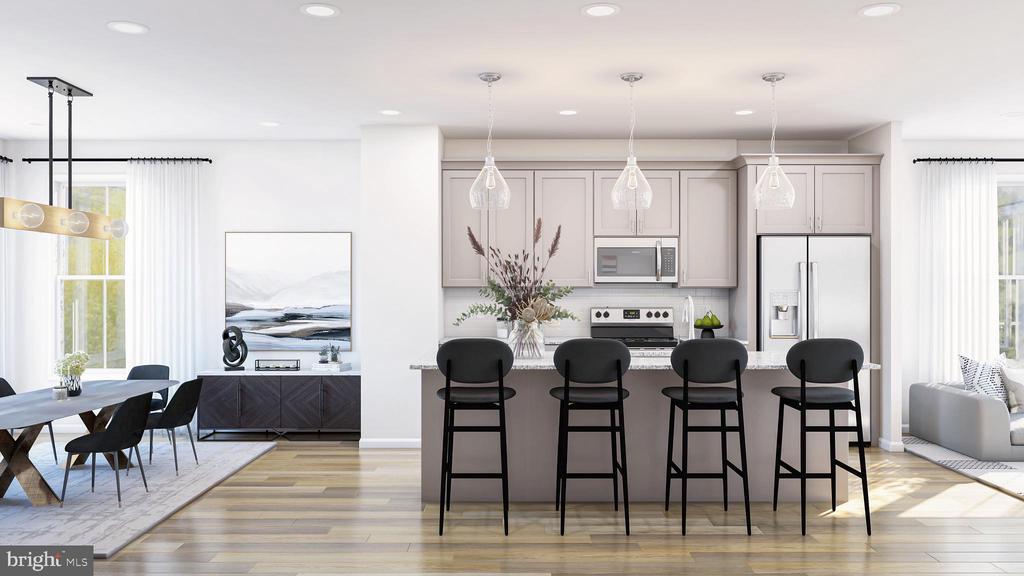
[755,361]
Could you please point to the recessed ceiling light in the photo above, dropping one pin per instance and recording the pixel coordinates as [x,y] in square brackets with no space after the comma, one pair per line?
[568,112]
[600,10]
[270,124]
[390,112]
[320,10]
[879,10]
[743,112]
[125,27]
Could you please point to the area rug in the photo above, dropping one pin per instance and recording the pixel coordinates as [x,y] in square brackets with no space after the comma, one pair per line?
[1006,477]
[93,518]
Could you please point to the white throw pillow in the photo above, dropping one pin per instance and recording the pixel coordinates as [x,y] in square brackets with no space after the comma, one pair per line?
[1013,380]
[984,377]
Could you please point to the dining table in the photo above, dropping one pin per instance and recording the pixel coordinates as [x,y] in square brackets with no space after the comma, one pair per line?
[29,412]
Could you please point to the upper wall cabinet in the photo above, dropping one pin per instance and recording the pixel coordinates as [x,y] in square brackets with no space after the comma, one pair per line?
[800,218]
[566,198]
[508,230]
[708,239]
[661,219]
[842,199]
[829,200]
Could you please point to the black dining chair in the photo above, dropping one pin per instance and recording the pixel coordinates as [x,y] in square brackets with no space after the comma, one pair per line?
[7,390]
[123,433]
[473,361]
[592,361]
[153,372]
[178,412]
[822,361]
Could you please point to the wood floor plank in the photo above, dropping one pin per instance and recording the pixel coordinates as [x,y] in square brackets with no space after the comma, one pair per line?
[314,508]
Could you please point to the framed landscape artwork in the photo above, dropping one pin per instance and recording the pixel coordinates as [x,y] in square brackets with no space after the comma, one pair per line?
[289,290]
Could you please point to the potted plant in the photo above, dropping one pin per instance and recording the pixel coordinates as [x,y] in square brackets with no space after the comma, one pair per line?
[325,354]
[70,369]
[518,292]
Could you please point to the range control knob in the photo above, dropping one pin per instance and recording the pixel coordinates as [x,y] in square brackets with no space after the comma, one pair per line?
[665,313]
[597,314]
[605,314]
[657,314]
[649,314]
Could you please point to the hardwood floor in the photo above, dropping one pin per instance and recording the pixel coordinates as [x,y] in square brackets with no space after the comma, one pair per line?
[327,507]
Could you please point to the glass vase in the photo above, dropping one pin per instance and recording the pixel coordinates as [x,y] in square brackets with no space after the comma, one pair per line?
[527,339]
[73,384]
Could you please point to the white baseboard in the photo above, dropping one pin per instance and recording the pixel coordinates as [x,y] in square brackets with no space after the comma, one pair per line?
[389,442]
[906,429]
[890,445]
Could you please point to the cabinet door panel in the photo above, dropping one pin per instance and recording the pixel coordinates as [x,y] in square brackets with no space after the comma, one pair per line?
[460,266]
[511,230]
[261,401]
[218,402]
[662,218]
[800,218]
[300,402]
[341,402]
[566,198]
[708,242]
[607,220]
[842,199]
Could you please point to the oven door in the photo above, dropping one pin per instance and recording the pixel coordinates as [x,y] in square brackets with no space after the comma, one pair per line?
[635,260]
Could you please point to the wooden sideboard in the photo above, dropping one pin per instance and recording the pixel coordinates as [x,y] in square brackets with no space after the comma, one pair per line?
[279,402]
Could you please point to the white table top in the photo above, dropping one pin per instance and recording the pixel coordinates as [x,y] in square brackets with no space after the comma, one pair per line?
[38,406]
[755,361]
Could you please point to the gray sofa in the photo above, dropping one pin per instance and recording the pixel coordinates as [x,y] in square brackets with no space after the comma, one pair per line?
[968,422]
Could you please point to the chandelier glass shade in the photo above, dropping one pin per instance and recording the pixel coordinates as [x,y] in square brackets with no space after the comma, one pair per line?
[631,190]
[773,190]
[489,190]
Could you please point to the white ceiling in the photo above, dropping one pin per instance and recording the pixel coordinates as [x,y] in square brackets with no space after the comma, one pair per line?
[215,69]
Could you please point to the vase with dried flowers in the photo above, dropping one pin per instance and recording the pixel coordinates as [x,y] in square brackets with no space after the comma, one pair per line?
[70,369]
[518,292]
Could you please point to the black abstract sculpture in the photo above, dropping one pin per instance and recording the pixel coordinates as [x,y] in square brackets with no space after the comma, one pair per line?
[235,348]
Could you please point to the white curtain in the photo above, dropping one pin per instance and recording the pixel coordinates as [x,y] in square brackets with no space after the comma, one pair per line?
[161,265]
[958,294]
[5,266]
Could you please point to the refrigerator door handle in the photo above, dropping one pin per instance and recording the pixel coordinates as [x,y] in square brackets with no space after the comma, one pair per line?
[801,308]
[814,300]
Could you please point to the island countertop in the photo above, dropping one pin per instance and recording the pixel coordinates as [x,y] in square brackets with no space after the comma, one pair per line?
[755,361]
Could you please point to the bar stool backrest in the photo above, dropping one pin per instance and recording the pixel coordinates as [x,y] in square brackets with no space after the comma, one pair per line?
[825,360]
[709,361]
[592,360]
[474,360]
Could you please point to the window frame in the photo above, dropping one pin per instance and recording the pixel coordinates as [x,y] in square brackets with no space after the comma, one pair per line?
[1017,279]
[60,276]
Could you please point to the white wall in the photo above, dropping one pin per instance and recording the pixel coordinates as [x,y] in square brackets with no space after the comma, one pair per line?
[911,178]
[310,185]
[400,276]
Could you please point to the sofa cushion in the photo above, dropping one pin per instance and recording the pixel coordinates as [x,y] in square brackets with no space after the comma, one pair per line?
[1013,379]
[984,377]
[1017,429]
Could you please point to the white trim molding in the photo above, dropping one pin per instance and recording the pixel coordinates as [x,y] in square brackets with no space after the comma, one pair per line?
[890,445]
[389,443]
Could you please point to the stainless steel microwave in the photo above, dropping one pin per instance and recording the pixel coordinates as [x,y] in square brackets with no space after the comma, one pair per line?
[636,260]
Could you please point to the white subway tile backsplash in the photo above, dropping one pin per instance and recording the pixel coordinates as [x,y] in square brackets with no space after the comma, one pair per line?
[456,300]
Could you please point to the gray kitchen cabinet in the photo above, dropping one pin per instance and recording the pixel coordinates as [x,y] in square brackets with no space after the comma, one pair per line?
[661,219]
[800,218]
[843,199]
[708,238]
[566,198]
[509,230]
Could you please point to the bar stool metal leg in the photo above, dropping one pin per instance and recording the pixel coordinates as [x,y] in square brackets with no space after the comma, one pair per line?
[725,466]
[668,460]
[444,471]
[563,440]
[803,469]
[778,456]
[615,460]
[504,463]
[625,467]
[743,458]
[558,462]
[683,464]
[832,453]
[863,467]
[451,458]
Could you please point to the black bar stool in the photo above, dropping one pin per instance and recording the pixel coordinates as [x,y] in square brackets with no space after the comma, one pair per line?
[822,361]
[592,361]
[473,361]
[707,362]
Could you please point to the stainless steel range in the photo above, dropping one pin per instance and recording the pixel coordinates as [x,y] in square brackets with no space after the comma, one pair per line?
[646,331]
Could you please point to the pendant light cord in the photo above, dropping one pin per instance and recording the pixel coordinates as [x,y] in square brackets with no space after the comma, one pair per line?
[775,119]
[490,115]
[632,122]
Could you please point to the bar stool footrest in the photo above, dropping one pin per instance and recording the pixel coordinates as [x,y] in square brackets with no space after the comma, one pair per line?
[493,475]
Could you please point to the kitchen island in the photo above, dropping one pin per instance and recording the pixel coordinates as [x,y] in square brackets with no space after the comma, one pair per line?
[532,424]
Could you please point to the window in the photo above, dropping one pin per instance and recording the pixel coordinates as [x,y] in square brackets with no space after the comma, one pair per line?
[91,286]
[1011,268]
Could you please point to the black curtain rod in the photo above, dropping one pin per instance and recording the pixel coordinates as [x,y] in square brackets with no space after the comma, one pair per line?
[916,160]
[5,159]
[207,160]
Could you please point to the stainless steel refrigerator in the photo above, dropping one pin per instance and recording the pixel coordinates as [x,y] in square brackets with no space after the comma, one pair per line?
[816,287]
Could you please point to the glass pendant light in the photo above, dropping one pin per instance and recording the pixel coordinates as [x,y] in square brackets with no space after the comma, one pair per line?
[773,190]
[489,190]
[631,190]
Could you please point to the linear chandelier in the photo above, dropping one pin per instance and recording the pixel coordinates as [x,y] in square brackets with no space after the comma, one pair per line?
[18,214]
